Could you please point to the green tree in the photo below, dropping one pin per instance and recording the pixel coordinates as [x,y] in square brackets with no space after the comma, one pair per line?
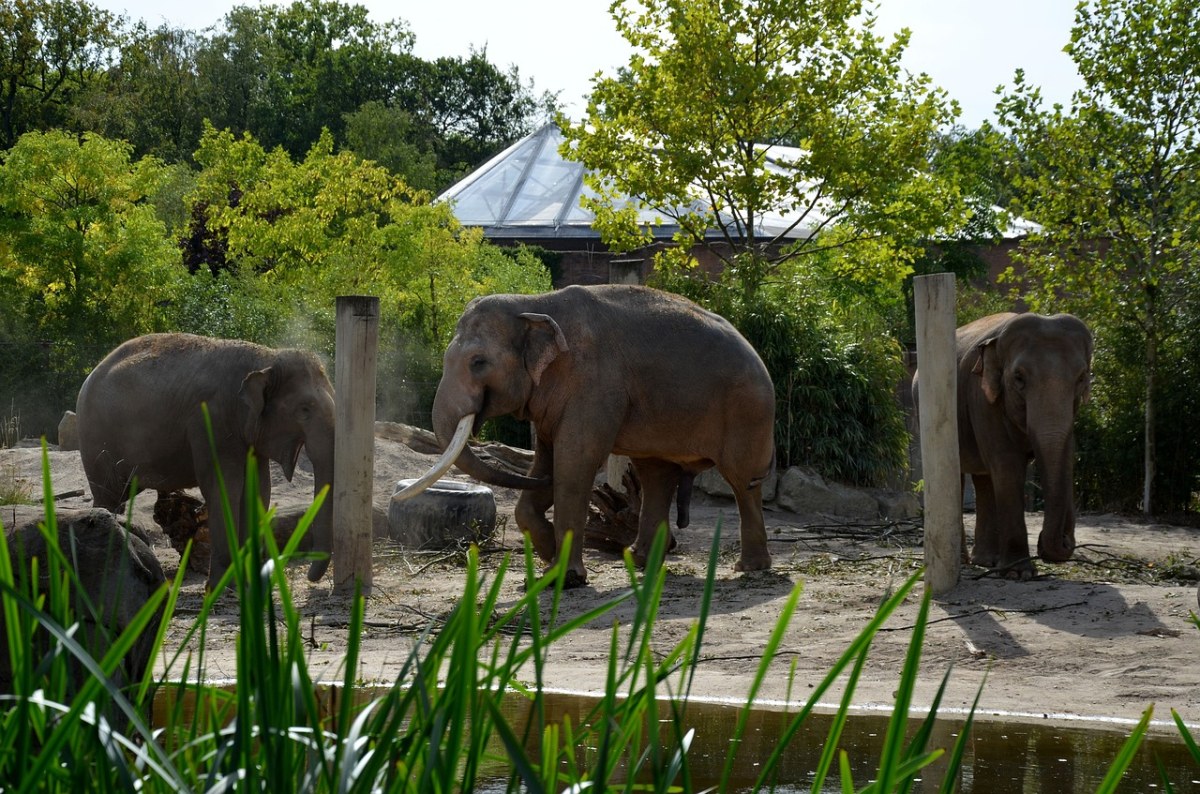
[150,96]
[85,262]
[51,52]
[1113,179]
[474,109]
[691,127]
[390,137]
[285,72]
[333,223]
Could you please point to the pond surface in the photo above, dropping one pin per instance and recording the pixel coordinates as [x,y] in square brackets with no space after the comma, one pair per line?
[1001,758]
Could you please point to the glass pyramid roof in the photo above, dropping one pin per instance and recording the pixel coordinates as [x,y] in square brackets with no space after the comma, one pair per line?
[529,190]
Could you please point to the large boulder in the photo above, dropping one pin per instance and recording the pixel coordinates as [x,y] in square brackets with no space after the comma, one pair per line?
[118,573]
[712,483]
[896,505]
[802,490]
[68,432]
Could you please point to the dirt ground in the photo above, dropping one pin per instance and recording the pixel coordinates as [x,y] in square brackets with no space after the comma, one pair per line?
[1097,639]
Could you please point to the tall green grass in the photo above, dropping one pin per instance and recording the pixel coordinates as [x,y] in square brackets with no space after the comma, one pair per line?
[439,728]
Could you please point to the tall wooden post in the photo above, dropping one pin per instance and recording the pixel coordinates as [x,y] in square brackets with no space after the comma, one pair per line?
[939,430]
[356,347]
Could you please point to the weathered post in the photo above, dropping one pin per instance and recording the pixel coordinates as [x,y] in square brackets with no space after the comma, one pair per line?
[356,347]
[938,414]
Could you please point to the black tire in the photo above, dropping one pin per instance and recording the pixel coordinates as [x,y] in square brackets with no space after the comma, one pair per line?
[448,513]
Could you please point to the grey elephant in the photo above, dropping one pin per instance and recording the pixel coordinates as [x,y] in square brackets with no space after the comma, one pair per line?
[139,417]
[609,369]
[1021,379]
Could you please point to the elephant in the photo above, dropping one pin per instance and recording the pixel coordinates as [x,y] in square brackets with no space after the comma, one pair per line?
[139,417]
[609,369]
[1021,379]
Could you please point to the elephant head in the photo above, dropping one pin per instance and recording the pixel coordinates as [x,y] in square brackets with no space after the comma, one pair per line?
[286,406]
[1038,369]
[492,366]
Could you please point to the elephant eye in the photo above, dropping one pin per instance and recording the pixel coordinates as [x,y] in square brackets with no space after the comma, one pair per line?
[478,365]
[1019,380]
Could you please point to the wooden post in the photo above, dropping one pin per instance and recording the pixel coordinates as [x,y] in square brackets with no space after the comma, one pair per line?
[939,429]
[356,346]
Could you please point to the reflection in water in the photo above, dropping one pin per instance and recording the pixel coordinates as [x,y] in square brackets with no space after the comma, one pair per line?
[1001,757]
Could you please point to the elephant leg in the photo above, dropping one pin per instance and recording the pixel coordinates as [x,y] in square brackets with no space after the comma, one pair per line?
[755,556]
[986,551]
[1011,537]
[658,479]
[245,523]
[530,512]
[574,472]
[219,530]
[108,482]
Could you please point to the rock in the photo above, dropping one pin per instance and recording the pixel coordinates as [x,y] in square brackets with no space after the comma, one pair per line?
[68,432]
[897,505]
[118,573]
[712,483]
[802,490]
[446,514]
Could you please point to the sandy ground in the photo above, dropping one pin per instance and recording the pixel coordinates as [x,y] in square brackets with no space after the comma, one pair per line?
[1100,638]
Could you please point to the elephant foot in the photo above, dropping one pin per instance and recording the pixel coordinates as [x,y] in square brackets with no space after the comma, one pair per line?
[1021,570]
[1056,551]
[753,563]
[639,557]
[985,559]
[543,544]
[573,579]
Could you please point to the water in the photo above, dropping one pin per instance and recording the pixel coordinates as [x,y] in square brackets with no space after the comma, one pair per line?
[1002,757]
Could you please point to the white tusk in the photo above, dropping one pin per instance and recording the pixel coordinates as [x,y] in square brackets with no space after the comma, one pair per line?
[461,434]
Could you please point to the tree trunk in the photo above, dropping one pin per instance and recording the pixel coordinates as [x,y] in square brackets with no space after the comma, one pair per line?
[1151,377]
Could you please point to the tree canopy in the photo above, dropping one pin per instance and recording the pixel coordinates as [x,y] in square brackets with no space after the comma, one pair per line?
[51,53]
[282,72]
[711,93]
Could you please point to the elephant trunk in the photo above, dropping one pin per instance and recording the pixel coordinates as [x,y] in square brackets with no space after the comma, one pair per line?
[320,452]
[1055,457]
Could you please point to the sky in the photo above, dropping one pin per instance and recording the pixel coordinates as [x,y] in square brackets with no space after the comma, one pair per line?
[968,47]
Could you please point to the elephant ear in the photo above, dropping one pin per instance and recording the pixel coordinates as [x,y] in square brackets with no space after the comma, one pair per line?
[990,369]
[541,348]
[253,395]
